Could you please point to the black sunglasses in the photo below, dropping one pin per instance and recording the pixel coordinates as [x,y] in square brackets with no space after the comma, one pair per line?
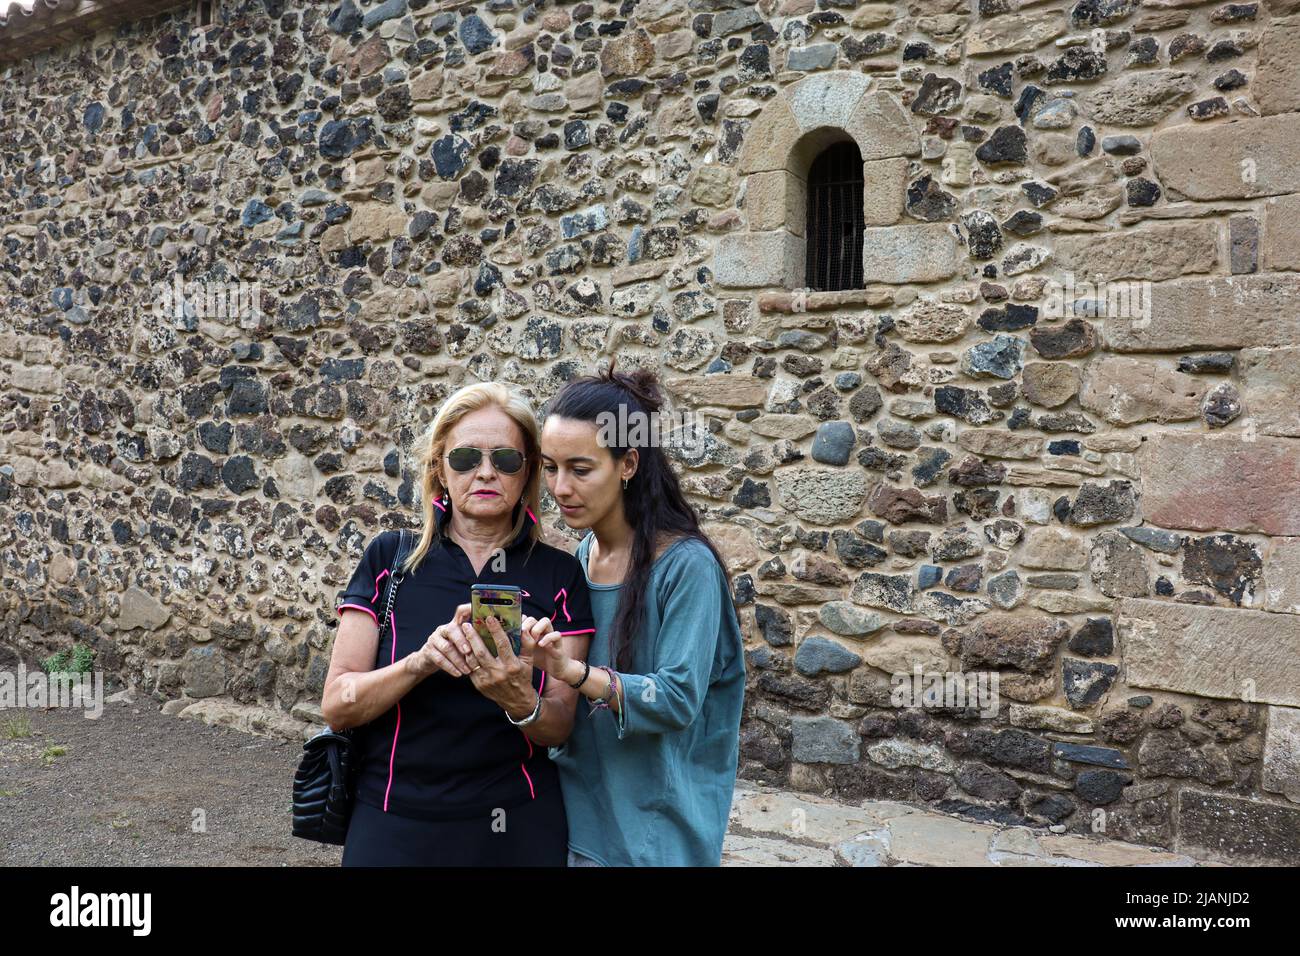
[505,460]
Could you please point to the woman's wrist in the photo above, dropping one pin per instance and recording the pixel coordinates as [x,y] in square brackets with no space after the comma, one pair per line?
[518,711]
[573,672]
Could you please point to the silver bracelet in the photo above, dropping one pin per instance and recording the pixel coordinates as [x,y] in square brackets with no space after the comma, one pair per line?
[530,718]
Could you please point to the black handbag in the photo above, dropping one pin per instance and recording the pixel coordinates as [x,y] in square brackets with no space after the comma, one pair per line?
[324,786]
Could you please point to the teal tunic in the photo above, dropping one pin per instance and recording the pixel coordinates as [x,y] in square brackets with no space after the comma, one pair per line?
[653,787]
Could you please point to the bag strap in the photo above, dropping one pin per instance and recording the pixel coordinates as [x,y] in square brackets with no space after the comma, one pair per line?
[405,541]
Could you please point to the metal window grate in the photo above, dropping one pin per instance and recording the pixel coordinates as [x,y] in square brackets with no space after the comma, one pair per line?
[834,231]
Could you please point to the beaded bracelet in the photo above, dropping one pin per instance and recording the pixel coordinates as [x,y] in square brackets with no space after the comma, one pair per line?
[609,694]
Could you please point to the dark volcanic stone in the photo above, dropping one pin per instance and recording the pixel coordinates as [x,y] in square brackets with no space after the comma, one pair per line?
[1101,13]
[1230,565]
[1023,223]
[247,397]
[341,138]
[937,95]
[1007,146]
[929,465]
[856,551]
[475,34]
[239,475]
[983,237]
[1085,753]
[1052,806]
[1209,363]
[197,471]
[1143,52]
[1223,50]
[1074,339]
[1211,108]
[515,176]
[450,154]
[1038,193]
[1028,100]
[344,18]
[1222,405]
[752,494]
[1141,192]
[1085,142]
[1077,65]
[966,404]
[774,624]
[865,403]
[1096,638]
[1086,682]
[1100,787]
[997,80]
[1231,80]
[927,202]
[1009,318]
[985,783]
[1103,504]
[1123,145]
[216,437]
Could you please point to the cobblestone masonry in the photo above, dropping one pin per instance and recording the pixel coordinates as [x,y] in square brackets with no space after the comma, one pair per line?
[976,463]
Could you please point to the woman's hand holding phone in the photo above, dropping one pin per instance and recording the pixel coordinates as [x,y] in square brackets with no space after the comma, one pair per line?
[448,649]
[506,679]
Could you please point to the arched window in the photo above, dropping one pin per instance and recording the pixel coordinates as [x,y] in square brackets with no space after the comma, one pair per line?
[834,233]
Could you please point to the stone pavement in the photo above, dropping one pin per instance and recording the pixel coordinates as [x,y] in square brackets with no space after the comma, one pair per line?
[772,827]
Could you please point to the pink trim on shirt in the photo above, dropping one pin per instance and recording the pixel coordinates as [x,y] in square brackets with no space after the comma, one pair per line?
[392,754]
[588,630]
[562,603]
[359,607]
[528,740]
[382,574]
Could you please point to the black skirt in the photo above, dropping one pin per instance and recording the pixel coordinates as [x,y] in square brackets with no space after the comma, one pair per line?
[531,834]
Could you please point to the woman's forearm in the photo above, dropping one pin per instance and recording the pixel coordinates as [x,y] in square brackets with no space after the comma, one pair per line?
[595,687]
[356,698]
[553,724]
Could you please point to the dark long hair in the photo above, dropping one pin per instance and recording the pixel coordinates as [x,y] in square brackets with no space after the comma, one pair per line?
[653,502]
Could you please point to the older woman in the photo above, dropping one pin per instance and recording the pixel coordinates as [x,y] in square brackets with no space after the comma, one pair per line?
[453,754]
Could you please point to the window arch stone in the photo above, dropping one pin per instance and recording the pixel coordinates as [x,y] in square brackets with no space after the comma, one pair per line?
[785,137]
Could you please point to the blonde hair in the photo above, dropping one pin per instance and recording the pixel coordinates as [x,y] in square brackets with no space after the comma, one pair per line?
[430,447]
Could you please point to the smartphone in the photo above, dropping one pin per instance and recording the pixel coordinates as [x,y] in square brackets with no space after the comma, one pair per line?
[503,602]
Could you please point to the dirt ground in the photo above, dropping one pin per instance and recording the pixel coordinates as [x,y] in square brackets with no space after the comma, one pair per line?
[127,789]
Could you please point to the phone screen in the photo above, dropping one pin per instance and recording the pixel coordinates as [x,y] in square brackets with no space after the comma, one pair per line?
[503,603]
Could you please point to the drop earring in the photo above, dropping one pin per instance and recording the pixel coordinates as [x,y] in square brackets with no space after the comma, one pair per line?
[625,484]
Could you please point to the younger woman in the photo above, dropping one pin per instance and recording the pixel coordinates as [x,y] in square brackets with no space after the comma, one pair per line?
[648,778]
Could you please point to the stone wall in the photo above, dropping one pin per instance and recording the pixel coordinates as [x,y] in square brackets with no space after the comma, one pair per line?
[974,464]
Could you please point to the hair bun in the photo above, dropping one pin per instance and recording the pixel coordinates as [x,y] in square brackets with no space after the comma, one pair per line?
[641,383]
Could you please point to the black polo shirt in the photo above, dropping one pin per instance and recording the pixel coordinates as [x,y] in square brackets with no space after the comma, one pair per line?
[445,751]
